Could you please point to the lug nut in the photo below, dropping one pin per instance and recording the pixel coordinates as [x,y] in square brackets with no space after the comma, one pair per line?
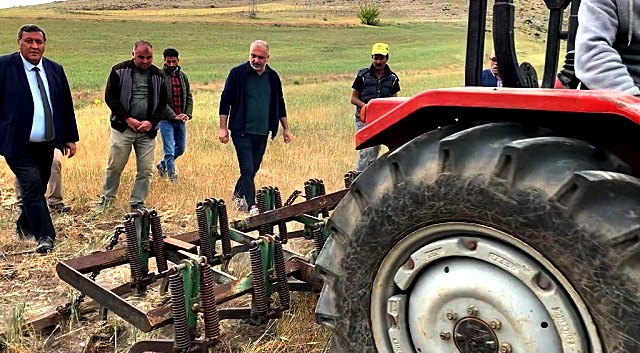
[410,264]
[495,324]
[471,244]
[452,316]
[543,282]
[506,348]
[445,335]
[472,310]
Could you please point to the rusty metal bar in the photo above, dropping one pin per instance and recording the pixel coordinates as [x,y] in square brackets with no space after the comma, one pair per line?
[289,213]
[105,297]
[46,320]
[302,270]
[155,345]
[107,259]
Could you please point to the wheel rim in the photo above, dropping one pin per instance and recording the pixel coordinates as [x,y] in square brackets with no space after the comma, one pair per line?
[463,287]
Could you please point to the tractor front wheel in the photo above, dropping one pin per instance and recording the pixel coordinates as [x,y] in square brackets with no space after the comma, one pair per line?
[496,238]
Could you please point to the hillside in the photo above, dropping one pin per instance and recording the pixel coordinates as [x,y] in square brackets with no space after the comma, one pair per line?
[531,17]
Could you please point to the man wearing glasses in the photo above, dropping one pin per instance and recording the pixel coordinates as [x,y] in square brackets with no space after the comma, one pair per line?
[491,76]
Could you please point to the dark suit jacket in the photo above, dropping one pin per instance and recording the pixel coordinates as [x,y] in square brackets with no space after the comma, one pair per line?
[16,105]
[488,79]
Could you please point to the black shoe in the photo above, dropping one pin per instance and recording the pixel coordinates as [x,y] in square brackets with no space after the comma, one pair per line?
[45,245]
[137,207]
[24,234]
[60,208]
[162,170]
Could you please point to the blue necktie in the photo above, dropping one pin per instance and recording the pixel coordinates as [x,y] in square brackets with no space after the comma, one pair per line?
[48,116]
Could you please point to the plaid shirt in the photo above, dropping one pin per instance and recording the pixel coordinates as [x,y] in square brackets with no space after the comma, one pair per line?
[177,93]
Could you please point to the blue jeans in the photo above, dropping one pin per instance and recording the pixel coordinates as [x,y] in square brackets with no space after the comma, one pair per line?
[174,140]
[250,150]
[365,156]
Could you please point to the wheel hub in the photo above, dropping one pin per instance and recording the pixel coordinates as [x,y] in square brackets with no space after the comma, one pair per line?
[472,335]
[472,294]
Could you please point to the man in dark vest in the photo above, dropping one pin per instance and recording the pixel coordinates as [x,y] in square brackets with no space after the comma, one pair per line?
[375,81]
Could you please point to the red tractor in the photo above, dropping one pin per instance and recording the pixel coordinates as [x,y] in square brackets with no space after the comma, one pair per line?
[501,220]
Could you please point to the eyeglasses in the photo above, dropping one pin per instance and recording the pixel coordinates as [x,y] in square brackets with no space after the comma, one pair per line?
[494,59]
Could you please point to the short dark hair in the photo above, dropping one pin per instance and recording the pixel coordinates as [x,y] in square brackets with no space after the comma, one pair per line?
[141,42]
[31,28]
[170,52]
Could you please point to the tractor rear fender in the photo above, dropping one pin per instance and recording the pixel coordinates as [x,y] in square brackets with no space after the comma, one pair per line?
[606,119]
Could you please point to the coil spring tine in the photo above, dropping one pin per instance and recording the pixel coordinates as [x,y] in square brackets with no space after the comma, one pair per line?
[282,225]
[262,206]
[206,247]
[308,192]
[208,299]
[257,280]
[179,310]
[318,238]
[308,189]
[132,249]
[282,283]
[158,242]
[224,228]
[323,191]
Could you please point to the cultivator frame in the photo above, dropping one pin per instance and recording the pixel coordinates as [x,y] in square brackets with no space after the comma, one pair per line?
[187,265]
[191,267]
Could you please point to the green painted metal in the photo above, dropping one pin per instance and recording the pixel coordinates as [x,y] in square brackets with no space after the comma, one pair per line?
[266,253]
[191,281]
[308,220]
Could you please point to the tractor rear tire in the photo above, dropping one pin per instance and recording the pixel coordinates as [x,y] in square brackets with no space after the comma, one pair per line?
[495,238]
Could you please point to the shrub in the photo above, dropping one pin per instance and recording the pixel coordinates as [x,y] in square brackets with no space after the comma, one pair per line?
[369,15]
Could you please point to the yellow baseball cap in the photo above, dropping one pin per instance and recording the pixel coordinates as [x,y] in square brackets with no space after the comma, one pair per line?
[380,48]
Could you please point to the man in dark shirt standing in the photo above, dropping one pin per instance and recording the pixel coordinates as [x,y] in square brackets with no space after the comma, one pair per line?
[375,81]
[251,106]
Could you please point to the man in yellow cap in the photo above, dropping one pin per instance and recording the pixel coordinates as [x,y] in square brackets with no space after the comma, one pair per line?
[375,81]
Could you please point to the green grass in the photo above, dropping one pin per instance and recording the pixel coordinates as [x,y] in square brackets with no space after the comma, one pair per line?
[88,48]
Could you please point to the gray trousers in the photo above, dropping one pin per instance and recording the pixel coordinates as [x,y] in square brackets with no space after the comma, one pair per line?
[365,156]
[120,145]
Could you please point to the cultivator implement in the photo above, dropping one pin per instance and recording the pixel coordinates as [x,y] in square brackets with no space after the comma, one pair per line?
[190,267]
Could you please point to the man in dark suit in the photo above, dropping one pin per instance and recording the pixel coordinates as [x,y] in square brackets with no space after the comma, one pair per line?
[36,116]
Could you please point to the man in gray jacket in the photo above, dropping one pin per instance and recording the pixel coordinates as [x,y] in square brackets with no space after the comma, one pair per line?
[608,45]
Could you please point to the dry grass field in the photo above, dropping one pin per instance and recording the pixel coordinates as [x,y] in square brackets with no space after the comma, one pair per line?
[321,121]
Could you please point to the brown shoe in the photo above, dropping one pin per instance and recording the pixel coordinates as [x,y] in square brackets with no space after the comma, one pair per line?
[60,208]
